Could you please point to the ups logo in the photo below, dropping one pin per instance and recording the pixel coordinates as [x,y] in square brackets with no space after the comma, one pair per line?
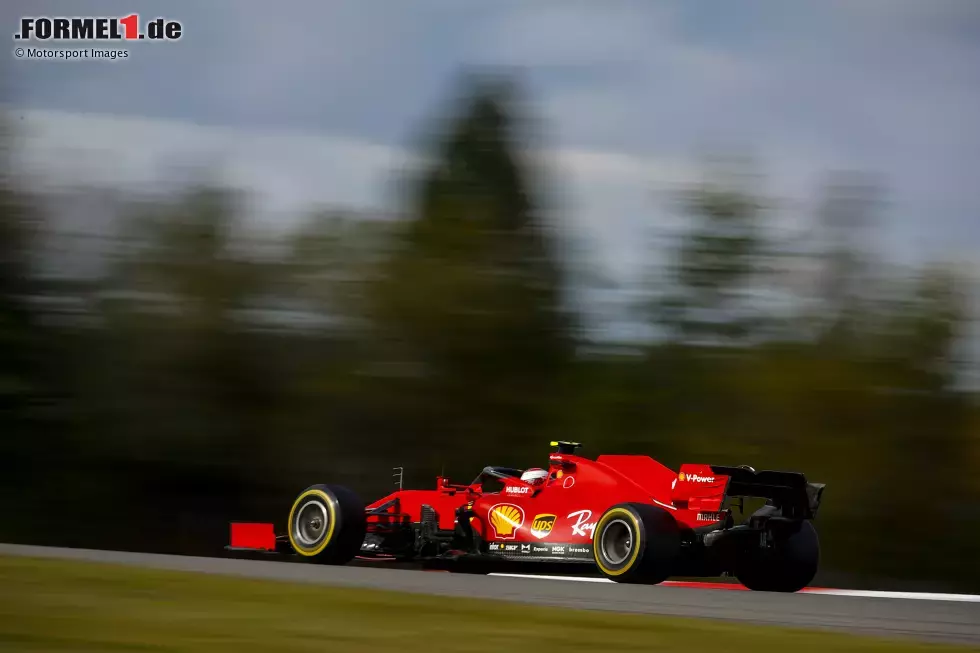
[542,525]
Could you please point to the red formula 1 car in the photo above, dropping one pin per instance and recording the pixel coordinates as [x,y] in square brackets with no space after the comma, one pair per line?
[636,520]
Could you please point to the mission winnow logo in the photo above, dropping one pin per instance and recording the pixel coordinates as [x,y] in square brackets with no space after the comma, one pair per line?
[96,29]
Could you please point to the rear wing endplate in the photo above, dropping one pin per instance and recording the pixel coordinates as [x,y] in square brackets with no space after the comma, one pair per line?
[789,491]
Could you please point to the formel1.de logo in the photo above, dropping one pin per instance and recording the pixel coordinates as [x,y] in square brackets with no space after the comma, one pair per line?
[96,28]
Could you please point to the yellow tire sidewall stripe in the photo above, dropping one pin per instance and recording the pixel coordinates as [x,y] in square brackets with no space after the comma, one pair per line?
[637,545]
[330,528]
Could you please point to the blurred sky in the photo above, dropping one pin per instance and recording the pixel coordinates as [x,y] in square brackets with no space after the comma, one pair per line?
[319,101]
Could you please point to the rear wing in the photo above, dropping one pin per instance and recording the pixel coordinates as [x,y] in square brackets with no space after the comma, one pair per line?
[789,491]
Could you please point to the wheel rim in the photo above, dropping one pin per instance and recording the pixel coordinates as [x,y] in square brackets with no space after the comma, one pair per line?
[310,525]
[617,542]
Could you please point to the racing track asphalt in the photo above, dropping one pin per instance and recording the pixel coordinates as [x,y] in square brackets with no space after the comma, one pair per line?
[950,621]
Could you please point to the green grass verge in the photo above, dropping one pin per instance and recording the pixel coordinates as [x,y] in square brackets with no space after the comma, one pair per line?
[48,605]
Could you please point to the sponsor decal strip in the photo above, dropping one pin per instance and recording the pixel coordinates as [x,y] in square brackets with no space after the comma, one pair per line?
[912,596]
[536,549]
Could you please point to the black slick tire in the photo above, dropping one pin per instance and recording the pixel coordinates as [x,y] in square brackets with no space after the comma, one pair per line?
[788,566]
[326,524]
[636,543]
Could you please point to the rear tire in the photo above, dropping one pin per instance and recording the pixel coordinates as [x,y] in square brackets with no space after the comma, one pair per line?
[636,543]
[327,524]
[788,566]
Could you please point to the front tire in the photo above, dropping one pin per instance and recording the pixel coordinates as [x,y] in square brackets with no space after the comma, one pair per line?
[788,566]
[636,543]
[327,524]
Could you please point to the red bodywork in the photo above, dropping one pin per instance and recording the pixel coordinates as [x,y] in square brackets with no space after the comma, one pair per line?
[259,537]
[555,520]
[567,506]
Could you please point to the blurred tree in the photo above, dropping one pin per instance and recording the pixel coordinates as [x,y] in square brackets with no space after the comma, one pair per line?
[175,299]
[17,288]
[718,263]
[470,301]
[332,258]
[28,374]
[34,444]
[182,255]
[850,279]
[332,386]
[928,329]
[178,387]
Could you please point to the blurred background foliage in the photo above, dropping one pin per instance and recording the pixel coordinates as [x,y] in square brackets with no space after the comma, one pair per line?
[208,372]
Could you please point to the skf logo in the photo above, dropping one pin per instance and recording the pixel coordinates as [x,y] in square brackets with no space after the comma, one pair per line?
[96,28]
[506,518]
[542,525]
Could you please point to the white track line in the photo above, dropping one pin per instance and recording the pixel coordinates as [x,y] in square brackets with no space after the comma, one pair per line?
[913,596]
[874,594]
[581,579]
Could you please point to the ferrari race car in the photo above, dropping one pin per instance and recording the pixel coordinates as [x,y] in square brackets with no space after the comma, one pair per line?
[635,519]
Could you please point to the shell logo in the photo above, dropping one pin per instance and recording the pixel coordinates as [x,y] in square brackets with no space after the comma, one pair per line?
[681,476]
[506,518]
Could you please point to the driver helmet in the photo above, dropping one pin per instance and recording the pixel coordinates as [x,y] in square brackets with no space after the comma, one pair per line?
[535,476]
